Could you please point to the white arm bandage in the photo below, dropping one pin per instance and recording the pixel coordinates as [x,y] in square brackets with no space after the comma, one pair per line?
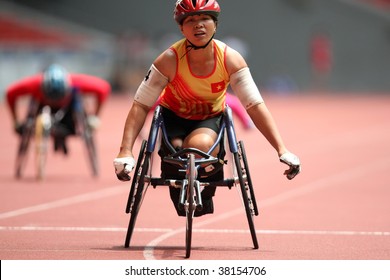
[245,88]
[151,87]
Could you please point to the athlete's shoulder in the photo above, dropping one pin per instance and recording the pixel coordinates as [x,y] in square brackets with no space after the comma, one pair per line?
[87,79]
[166,63]
[178,44]
[234,60]
[29,82]
[220,44]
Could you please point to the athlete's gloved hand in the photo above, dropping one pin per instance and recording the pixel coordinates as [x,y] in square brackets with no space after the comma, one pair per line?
[123,166]
[293,162]
[19,128]
[93,121]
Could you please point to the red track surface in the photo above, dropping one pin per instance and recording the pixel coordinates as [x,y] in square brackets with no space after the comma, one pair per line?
[338,208]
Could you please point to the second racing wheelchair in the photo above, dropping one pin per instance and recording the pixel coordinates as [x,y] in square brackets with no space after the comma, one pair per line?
[43,123]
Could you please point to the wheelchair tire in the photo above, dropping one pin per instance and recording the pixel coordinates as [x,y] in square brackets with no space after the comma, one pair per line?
[138,188]
[25,139]
[42,135]
[190,201]
[86,133]
[245,198]
[251,193]
[92,154]
[141,156]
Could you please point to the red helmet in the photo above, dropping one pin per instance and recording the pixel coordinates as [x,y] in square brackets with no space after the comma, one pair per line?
[185,8]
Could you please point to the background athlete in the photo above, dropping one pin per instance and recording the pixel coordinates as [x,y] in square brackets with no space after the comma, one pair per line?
[56,87]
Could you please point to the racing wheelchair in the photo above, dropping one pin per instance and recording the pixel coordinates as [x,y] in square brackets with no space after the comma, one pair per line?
[189,163]
[41,123]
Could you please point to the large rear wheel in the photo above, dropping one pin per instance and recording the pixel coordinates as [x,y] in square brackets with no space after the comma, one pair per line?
[86,133]
[24,143]
[246,173]
[140,183]
[245,195]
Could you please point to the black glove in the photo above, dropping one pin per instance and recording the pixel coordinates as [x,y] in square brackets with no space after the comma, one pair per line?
[19,128]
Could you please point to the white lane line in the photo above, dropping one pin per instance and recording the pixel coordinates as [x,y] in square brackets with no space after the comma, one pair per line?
[198,230]
[328,181]
[66,201]
[297,232]
[321,144]
[324,182]
[81,229]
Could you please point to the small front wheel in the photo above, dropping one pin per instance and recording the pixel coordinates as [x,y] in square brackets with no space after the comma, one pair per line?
[190,201]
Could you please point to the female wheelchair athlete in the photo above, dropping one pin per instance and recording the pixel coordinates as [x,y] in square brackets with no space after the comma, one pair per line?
[190,176]
[42,122]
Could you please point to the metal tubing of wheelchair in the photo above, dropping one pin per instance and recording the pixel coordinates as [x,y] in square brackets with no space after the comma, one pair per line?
[156,124]
[182,162]
[183,192]
[230,130]
[219,138]
[159,182]
[199,204]
[165,138]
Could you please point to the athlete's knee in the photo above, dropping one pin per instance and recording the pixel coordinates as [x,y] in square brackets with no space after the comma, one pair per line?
[177,143]
[202,142]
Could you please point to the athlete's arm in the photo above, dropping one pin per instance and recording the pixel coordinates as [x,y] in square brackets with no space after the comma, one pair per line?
[30,86]
[91,85]
[246,90]
[243,85]
[146,96]
[125,162]
[166,64]
[134,122]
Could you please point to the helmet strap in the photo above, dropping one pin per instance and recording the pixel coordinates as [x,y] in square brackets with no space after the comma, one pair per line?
[191,46]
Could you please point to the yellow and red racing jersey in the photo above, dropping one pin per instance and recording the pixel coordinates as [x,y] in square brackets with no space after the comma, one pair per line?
[197,97]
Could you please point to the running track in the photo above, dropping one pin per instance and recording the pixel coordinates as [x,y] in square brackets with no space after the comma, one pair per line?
[338,208]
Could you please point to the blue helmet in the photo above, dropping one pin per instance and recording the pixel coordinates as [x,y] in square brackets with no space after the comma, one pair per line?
[55,85]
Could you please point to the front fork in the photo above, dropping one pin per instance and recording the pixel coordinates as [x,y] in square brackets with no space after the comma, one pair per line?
[183,202]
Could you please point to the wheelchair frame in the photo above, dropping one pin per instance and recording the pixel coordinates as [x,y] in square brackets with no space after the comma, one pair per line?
[190,198]
[38,125]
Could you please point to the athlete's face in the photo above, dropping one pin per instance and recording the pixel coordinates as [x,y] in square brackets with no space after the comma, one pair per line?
[198,29]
